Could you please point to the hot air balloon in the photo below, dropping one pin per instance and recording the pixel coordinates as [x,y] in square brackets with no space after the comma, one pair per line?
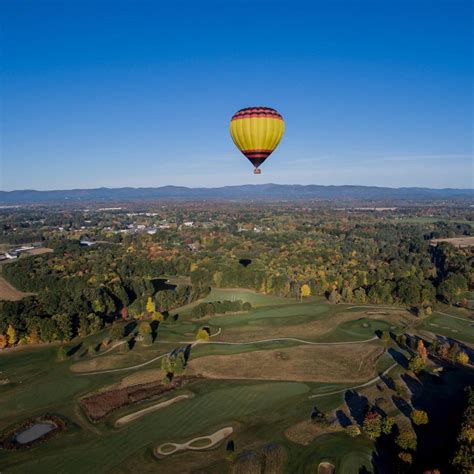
[256,132]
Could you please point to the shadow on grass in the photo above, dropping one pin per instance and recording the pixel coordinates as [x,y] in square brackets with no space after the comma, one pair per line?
[74,349]
[398,357]
[357,404]
[343,419]
[129,328]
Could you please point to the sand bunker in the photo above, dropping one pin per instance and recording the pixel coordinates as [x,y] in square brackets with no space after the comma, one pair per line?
[195,444]
[158,406]
[326,468]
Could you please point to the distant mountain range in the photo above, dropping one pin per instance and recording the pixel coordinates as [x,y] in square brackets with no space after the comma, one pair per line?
[271,192]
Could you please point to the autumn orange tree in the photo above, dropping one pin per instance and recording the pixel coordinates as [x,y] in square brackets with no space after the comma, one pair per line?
[421,350]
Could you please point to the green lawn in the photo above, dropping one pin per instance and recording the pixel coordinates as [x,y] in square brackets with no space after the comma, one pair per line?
[451,327]
[282,315]
[256,299]
[347,454]
[216,405]
[359,329]
[259,411]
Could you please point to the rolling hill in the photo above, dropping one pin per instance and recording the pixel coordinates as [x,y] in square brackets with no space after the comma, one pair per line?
[276,192]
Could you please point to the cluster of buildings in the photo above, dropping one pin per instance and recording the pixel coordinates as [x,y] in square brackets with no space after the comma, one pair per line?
[16,252]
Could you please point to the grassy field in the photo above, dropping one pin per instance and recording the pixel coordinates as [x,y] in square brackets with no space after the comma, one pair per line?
[255,299]
[259,388]
[450,326]
[302,363]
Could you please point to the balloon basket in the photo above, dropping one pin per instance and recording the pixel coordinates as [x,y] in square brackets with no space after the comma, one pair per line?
[257,171]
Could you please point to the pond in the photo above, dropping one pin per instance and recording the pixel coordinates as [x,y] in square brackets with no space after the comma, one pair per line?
[34,432]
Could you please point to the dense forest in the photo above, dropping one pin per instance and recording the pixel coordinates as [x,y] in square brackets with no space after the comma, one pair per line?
[342,256]
[78,291]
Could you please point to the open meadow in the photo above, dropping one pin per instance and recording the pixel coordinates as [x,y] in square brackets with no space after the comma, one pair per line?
[262,373]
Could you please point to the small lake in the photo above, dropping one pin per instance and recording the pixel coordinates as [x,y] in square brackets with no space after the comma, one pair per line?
[34,432]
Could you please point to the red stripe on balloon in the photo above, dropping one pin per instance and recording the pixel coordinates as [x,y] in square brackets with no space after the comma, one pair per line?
[256,112]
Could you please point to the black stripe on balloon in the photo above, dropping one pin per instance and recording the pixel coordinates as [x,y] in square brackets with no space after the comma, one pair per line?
[256,161]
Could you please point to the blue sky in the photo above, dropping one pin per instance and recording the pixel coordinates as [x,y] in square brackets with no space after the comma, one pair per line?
[114,93]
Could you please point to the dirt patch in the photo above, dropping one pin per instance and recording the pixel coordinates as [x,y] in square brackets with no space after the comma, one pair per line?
[351,363]
[39,251]
[305,431]
[308,329]
[99,405]
[10,293]
[139,414]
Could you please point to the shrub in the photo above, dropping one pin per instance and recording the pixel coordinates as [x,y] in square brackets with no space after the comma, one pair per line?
[144,328]
[462,358]
[402,340]
[401,389]
[202,335]
[157,316]
[416,364]
[353,431]
[246,306]
[406,439]
[116,332]
[387,425]
[61,354]
[419,417]
[405,457]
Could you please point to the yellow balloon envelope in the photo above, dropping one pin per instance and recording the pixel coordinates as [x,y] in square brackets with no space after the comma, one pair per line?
[256,132]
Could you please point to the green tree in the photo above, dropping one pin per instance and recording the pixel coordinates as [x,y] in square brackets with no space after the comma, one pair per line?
[416,364]
[406,439]
[387,425]
[144,328]
[116,332]
[179,364]
[360,296]
[409,291]
[61,355]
